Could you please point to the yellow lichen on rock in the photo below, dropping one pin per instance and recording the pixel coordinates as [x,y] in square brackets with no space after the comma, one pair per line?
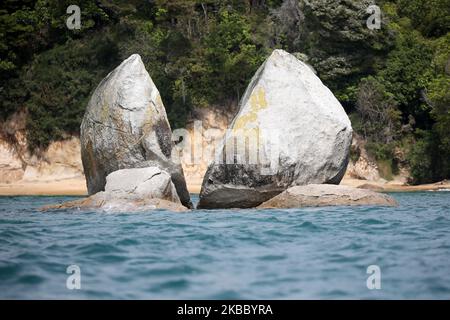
[159,101]
[148,122]
[104,112]
[257,103]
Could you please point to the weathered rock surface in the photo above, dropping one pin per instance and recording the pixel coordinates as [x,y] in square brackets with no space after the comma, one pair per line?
[11,167]
[290,130]
[362,166]
[60,161]
[320,195]
[126,126]
[140,189]
[96,202]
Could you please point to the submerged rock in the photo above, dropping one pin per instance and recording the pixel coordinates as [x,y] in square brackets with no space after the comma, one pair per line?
[126,126]
[290,130]
[320,195]
[98,202]
[140,189]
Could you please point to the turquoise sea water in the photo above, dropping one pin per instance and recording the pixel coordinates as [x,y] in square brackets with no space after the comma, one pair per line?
[228,254]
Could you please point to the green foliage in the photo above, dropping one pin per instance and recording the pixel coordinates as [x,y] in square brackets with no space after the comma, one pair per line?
[438,93]
[429,163]
[431,17]
[416,76]
[334,35]
[407,71]
[58,84]
[378,111]
[385,158]
[231,55]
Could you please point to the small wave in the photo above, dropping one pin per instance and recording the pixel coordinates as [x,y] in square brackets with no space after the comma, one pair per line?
[227,295]
[9,271]
[31,279]
[336,293]
[28,256]
[353,246]
[98,248]
[112,258]
[127,242]
[307,225]
[272,257]
[372,221]
[12,234]
[177,284]
[174,270]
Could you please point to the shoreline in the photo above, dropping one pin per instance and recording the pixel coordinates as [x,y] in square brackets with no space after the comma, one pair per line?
[67,187]
[395,187]
[77,187]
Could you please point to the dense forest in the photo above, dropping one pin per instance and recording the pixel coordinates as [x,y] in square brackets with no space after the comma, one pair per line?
[393,81]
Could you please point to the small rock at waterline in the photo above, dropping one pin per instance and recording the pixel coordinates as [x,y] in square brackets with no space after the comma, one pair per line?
[321,195]
[141,189]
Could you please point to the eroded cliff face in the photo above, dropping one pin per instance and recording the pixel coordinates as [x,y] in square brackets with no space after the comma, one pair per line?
[206,129]
[12,147]
[11,169]
[361,166]
[60,161]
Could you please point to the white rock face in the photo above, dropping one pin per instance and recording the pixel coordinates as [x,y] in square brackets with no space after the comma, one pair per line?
[126,126]
[129,190]
[141,183]
[290,130]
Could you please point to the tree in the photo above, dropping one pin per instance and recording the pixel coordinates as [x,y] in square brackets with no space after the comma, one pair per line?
[431,17]
[378,112]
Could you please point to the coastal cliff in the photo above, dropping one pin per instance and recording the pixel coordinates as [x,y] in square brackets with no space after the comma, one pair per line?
[61,161]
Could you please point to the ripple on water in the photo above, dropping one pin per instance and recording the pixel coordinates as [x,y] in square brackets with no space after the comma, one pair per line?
[308,226]
[372,222]
[272,257]
[98,248]
[30,279]
[171,270]
[9,271]
[127,242]
[173,285]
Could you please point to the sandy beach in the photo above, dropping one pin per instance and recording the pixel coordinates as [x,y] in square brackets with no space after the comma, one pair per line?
[394,187]
[77,187]
[69,187]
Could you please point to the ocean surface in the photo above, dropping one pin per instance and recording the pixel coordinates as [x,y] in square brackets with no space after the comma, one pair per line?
[314,253]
